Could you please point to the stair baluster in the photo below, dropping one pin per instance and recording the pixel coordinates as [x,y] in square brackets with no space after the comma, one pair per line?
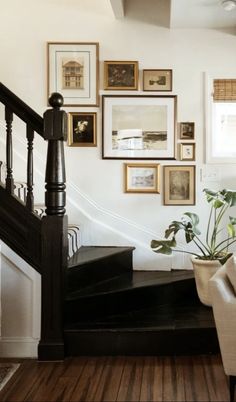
[9,178]
[30,195]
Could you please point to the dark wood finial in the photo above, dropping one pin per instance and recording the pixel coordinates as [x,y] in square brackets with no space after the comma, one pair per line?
[56,100]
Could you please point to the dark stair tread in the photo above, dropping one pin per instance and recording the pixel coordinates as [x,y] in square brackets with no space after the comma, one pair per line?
[192,315]
[87,254]
[134,280]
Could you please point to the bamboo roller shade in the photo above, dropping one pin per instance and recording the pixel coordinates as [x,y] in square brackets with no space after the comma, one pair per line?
[224,90]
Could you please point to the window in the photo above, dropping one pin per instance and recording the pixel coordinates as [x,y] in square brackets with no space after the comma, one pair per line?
[221,120]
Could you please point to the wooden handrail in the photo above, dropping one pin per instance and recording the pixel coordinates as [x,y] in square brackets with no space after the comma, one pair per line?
[21,109]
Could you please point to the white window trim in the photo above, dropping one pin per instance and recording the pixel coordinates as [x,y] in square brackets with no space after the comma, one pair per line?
[209,78]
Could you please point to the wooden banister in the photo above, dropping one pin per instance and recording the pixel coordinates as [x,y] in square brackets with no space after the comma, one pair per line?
[21,109]
[42,242]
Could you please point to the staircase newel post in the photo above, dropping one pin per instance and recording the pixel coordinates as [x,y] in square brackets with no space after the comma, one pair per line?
[54,234]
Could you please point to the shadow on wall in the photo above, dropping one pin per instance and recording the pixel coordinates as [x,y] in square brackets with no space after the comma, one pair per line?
[154,12]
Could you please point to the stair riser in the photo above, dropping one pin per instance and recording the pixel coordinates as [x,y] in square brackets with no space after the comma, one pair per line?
[91,273]
[133,299]
[165,342]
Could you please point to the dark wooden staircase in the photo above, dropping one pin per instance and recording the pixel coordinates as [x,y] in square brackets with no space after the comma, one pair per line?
[93,303]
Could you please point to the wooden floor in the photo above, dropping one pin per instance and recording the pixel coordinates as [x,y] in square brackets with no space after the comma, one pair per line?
[197,378]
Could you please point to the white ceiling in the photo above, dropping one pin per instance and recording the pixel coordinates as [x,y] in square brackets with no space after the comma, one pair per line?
[176,13]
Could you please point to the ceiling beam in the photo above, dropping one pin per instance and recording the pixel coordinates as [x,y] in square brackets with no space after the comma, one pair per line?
[118,8]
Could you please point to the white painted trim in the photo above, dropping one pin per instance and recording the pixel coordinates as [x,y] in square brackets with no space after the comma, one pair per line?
[18,347]
[209,158]
[118,8]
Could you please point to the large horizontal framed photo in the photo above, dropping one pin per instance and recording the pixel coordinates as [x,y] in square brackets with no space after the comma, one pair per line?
[142,178]
[121,75]
[157,80]
[179,185]
[82,129]
[139,126]
[73,72]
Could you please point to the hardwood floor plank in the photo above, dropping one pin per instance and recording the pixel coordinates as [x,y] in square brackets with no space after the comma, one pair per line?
[131,380]
[122,379]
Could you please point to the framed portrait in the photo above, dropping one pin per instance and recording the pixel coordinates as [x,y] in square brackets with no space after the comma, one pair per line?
[138,126]
[186,131]
[179,185]
[121,75]
[73,72]
[82,129]
[157,80]
[142,178]
[187,151]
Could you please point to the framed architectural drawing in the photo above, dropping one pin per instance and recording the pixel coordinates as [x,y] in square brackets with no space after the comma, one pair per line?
[179,185]
[142,178]
[121,75]
[82,129]
[139,127]
[157,80]
[73,72]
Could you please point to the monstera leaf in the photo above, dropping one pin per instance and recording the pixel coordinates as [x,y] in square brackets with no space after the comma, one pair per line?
[163,246]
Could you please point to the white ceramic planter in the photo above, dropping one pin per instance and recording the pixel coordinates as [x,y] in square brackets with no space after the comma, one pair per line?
[203,271]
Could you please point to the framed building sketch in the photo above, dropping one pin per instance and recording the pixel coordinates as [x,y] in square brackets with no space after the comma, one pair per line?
[139,127]
[187,151]
[73,72]
[142,178]
[121,75]
[179,185]
[82,129]
[186,131]
[157,80]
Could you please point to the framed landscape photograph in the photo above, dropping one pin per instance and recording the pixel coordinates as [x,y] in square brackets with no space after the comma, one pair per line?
[157,80]
[82,129]
[179,185]
[187,131]
[187,151]
[73,71]
[121,75]
[142,178]
[138,126]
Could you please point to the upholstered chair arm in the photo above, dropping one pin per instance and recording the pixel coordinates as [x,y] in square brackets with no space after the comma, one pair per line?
[224,309]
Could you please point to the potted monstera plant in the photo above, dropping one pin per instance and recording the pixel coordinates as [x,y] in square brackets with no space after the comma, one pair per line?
[213,251]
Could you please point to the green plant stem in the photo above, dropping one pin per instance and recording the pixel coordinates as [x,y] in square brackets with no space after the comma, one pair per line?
[229,244]
[185,252]
[208,226]
[200,248]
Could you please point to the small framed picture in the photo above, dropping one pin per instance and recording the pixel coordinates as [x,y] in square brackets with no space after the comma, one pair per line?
[121,75]
[179,185]
[187,151]
[187,131]
[82,129]
[142,178]
[157,80]
[73,71]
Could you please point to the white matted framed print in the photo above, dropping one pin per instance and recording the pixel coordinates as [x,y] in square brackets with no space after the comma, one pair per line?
[139,126]
[142,178]
[73,72]
[187,151]
[179,185]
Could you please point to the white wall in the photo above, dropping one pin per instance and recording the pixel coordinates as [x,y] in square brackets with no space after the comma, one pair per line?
[95,186]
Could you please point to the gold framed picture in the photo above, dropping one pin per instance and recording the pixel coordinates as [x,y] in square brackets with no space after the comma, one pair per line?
[142,178]
[187,151]
[73,71]
[121,75]
[187,130]
[179,185]
[157,80]
[82,129]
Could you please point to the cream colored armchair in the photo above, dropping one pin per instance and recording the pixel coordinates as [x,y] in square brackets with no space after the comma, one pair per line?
[223,294]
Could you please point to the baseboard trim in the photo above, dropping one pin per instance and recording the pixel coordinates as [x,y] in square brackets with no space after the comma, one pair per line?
[19,347]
